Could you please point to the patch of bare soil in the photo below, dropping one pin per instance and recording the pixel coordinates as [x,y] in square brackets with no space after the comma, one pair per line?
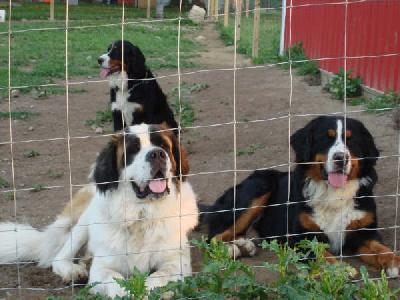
[262,101]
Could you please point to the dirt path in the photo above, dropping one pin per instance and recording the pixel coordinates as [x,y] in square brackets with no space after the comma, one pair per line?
[217,55]
[261,94]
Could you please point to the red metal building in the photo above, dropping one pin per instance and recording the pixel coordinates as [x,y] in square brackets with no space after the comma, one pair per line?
[372,37]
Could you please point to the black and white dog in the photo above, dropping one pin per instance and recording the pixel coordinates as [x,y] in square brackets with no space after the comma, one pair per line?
[138,214]
[136,97]
[330,197]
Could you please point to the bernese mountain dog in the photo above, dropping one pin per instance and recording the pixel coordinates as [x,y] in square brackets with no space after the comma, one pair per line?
[137,214]
[328,196]
[135,94]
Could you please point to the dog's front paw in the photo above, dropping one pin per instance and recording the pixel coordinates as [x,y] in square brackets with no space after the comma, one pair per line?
[69,271]
[234,251]
[246,247]
[393,270]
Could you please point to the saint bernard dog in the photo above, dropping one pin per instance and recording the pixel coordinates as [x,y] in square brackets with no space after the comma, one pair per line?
[328,196]
[136,97]
[137,214]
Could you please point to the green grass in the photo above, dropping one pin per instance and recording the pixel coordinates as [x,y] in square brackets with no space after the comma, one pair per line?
[9,196]
[268,41]
[38,57]
[185,109]
[38,187]
[4,183]
[250,150]
[103,117]
[31,154]
[17,115]
[54,174]
[83,11]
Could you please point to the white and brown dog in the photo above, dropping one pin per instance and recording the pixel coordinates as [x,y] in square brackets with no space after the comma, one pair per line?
[138,214]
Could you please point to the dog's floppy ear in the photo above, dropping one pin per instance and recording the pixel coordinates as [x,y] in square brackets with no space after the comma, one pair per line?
[134,61]
[179,158]
[301,142]
[106,171]
[180,155]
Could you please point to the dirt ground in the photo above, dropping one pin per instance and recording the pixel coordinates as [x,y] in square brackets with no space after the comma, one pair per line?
[262,106]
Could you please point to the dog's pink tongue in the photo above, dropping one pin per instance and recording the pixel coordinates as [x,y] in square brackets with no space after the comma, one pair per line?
[103,72]
[158,186]
[337,180]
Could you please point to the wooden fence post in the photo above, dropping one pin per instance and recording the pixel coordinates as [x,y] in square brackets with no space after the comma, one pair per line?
[212,9]
[216,9]
[238,18]
[148,9]
[226,13]
[247,8]
[256,29]
[51,10]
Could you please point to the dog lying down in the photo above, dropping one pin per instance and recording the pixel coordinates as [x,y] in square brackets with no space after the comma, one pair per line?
[138,213]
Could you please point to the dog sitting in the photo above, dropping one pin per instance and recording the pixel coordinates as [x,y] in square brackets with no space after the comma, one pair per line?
[138,214]
[330,197]
[135,95]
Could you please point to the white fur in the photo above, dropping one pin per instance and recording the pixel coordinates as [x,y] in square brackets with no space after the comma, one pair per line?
[333,208]
[121,232]
[338,147]
[22,242]
[120,80]
[105,60]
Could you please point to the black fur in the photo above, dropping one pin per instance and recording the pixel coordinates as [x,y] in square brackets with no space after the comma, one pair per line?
[143,88]
[278,218]
[106,173]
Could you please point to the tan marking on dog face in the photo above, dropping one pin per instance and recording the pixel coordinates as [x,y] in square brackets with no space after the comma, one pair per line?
[332,133]
[314,170]
[355,168]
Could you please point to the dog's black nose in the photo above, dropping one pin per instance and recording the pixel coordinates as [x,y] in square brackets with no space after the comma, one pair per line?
[156,155]
[100,60]
[341,159]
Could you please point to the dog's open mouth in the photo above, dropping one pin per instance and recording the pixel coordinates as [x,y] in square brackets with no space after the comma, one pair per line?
[337,179]
[155,187]
[104,72]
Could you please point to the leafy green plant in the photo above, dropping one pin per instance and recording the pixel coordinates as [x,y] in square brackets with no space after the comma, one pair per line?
[186,112]
[294,53]
[336,86]
[4,183]
[386,101]
[135,285]
[309,67]
[250,150]
[302,273]
[31,153]
[102,117]
[54,174]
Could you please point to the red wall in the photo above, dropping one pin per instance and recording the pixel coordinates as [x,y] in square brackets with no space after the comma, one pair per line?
[373,29]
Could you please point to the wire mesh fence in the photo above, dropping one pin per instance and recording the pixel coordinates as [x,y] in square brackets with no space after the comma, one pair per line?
[224,142]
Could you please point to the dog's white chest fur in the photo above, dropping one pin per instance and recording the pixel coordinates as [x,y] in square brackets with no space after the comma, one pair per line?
[121,97]
[141,235]
[333,209]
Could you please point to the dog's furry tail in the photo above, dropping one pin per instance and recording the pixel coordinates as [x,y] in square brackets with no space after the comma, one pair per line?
[22,242]
[19,242]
